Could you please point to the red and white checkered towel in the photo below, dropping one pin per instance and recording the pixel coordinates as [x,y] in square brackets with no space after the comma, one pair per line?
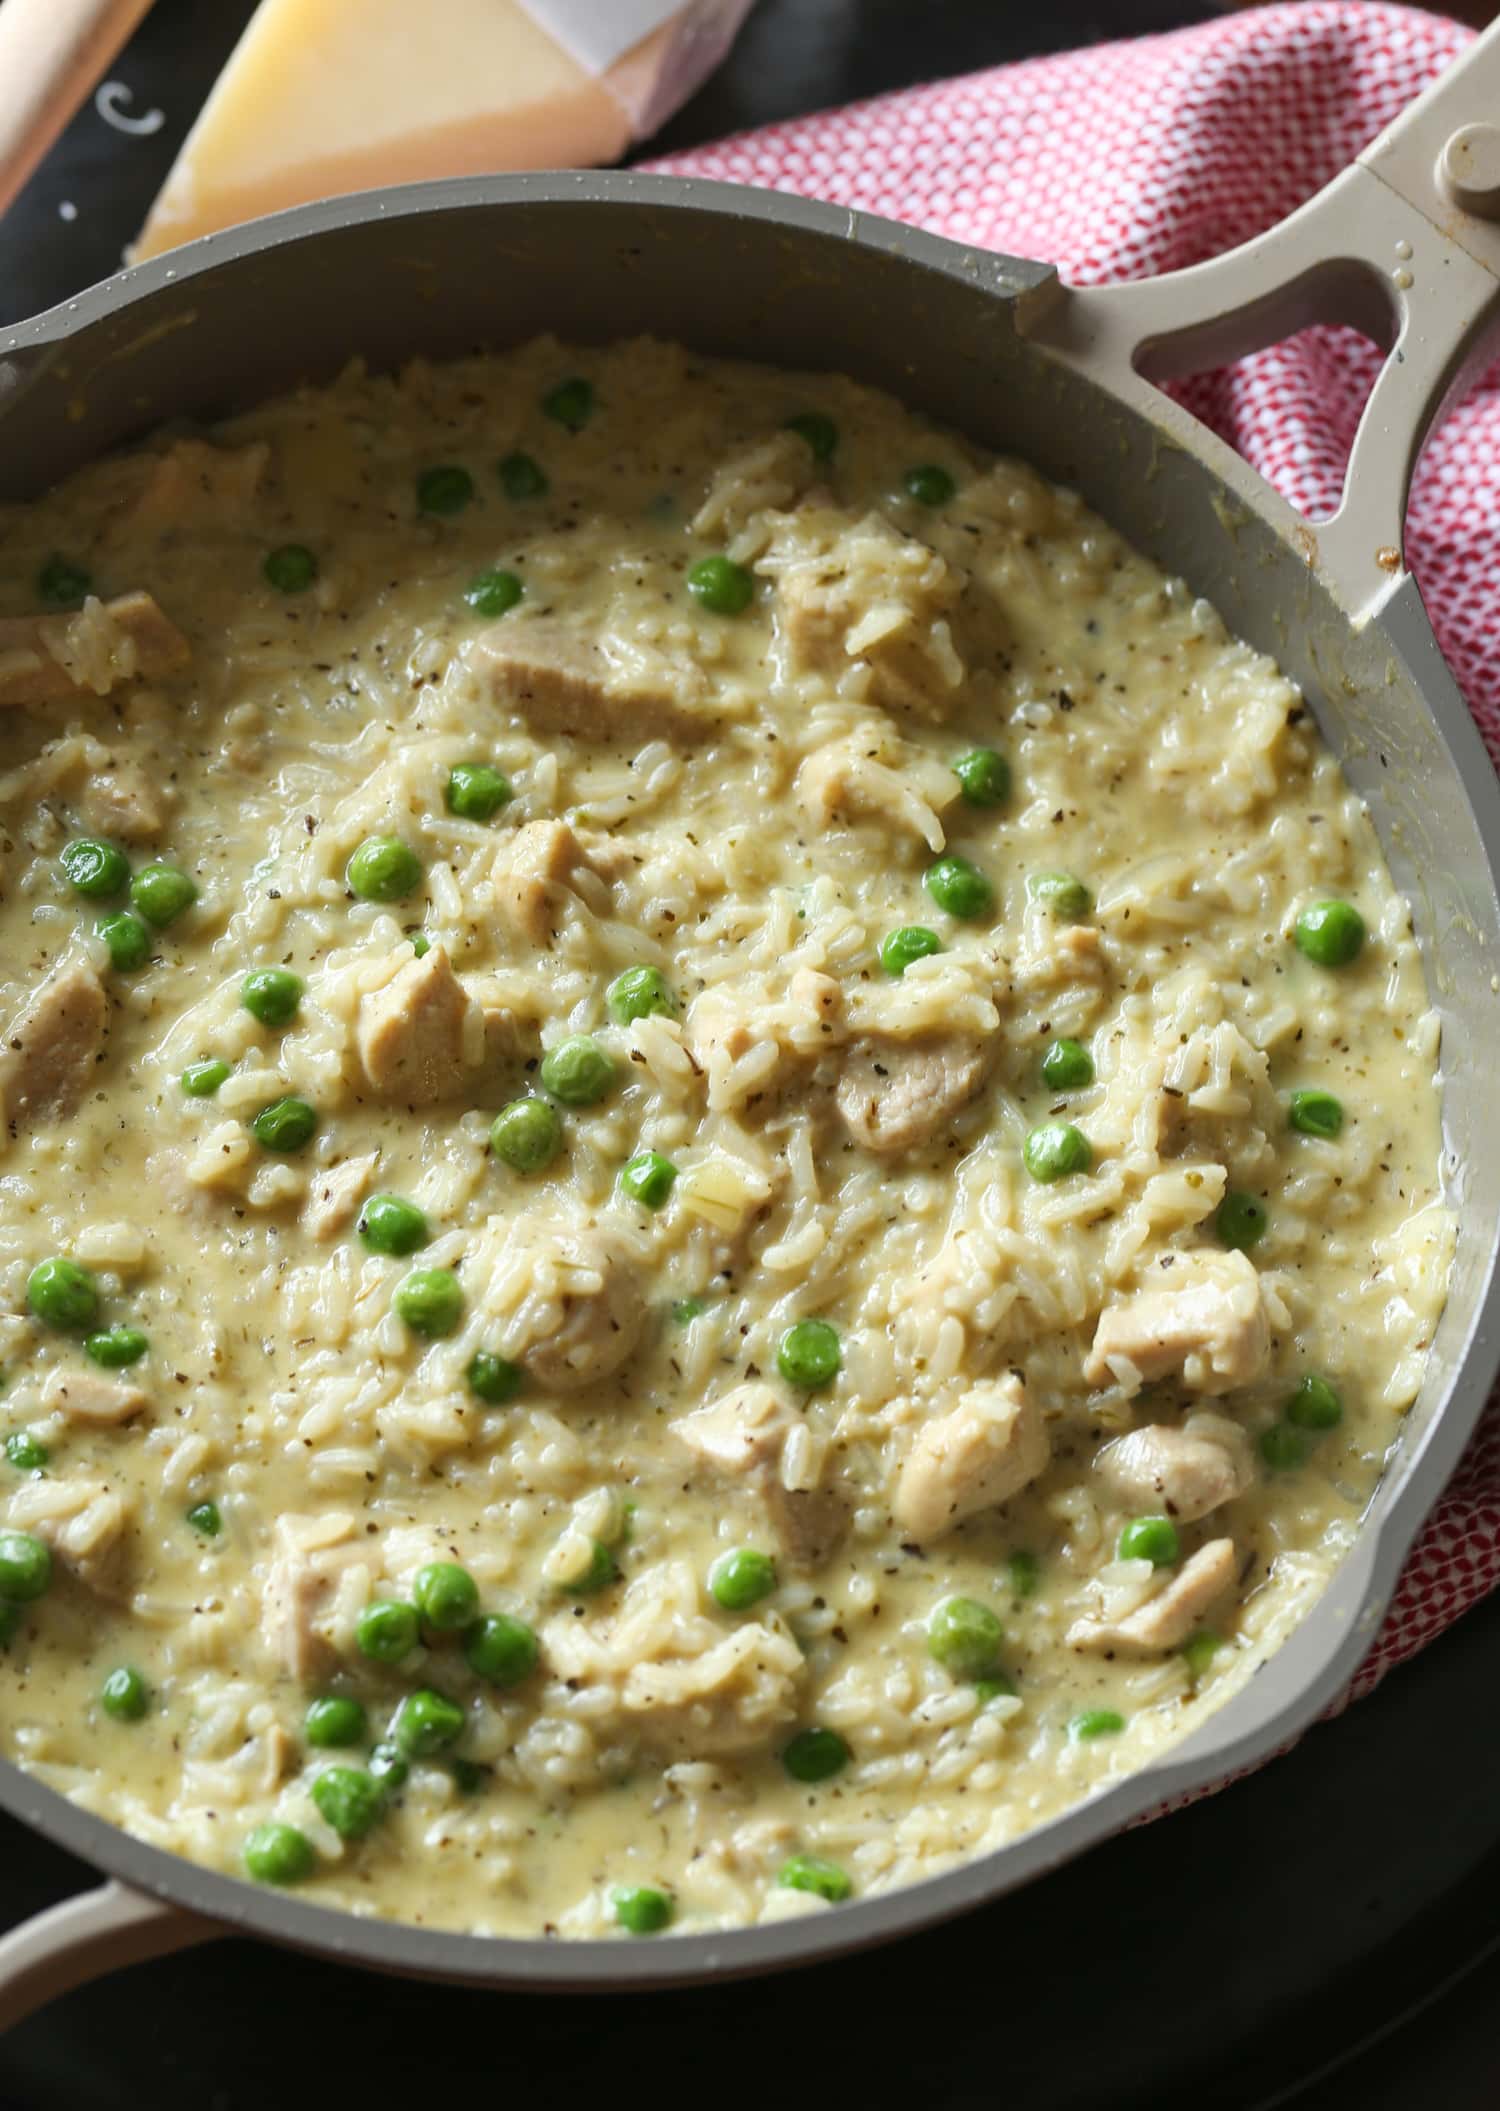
[1136,158]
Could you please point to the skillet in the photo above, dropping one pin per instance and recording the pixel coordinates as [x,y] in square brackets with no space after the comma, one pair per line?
[1405,245]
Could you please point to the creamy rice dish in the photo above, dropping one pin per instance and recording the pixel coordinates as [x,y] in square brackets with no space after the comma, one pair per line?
[720,1156]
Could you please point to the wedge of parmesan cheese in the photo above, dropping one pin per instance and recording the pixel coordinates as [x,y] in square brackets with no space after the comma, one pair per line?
[324,97]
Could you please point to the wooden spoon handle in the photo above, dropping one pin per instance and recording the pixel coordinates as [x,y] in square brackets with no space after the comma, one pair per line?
[51,54]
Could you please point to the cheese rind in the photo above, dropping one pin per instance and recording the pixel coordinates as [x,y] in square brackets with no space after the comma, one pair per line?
[324,97]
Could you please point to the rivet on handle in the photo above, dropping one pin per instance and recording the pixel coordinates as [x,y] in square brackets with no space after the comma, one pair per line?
[1468,170]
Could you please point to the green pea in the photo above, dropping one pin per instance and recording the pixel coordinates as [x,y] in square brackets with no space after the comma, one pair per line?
[521,477]
[1199,1651]
[686,1309]
[571,403]
[291,569]
[1240,1220]
[383,869]
[815,1755]
[117,1349]
[1284,1448]
[492,1378]
[334,1719]
[602,1571]
[205,1518]
[809,1354]
[426,1723]
[388,1768]
[62,1294]
[1067,1066]
[202,1080]
[741,1579]
[898,949]
[724,587]
[430,1301]
[810,1872]
[389,1224]
[1096,1722]
[493,593]
[162,892]
[501,1650]
[1315,1405]
[271,995]
[348,1799]
[641,1910]
[637,994]
[476,791]
[527,1135]
[965,1637]
[648,1178]
[286,1125]
[929,484]
[421,945]
[446,1595]
[1056,1150]
[1152,1539]
[983,777]
[959,888]
[1024,1573]
[577,1071]
[279,1854]
[25,1567]
[1331,933]
[63,584]
[445,489]
[127,940]
[1061,893]
[819,431]
[1314,1113]
[95,870]
[124,1694]
[387,1630]
[28,1454]
[999,1686]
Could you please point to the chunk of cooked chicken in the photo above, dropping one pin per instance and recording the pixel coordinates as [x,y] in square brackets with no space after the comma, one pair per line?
[50,1053]
[47,659]
[420,1038]
[877,778]
[591,684]
[1183,1473]
[196,487]
[986,1449]
[1204,1315]
[893,1095]
[745,1433]
[91,1398]
[1166,1620]
[582,1334]
[311,1558]
[535,877]
[123,803]
[335,1193]
[865,599]
[83,1521]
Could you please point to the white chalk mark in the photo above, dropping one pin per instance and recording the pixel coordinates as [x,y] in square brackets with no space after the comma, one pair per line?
[107,102]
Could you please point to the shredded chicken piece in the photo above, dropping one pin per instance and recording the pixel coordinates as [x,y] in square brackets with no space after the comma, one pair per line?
[83,1522]
[986,1449]
[121,802]
[746,1433]
[1204,1315]
[50,1054]
[48,659]
[1184,1473]
[894,1095]
[334,1195]
[196,487]
[880,778]
[602,1316]
[535,877]
[311,1556]
[420,1039]
[591,685]
[1166,1620]
[91,1398]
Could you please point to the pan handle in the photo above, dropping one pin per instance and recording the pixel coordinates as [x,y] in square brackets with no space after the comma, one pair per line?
[85,1937]
[1405,245]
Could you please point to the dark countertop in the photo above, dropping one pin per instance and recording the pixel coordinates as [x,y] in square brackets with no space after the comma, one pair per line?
[1337,1910]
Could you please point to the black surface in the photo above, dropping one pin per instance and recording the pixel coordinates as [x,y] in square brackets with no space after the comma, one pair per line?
[1325,1932]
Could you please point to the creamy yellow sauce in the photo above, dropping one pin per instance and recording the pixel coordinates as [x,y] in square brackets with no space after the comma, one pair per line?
[746,801]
